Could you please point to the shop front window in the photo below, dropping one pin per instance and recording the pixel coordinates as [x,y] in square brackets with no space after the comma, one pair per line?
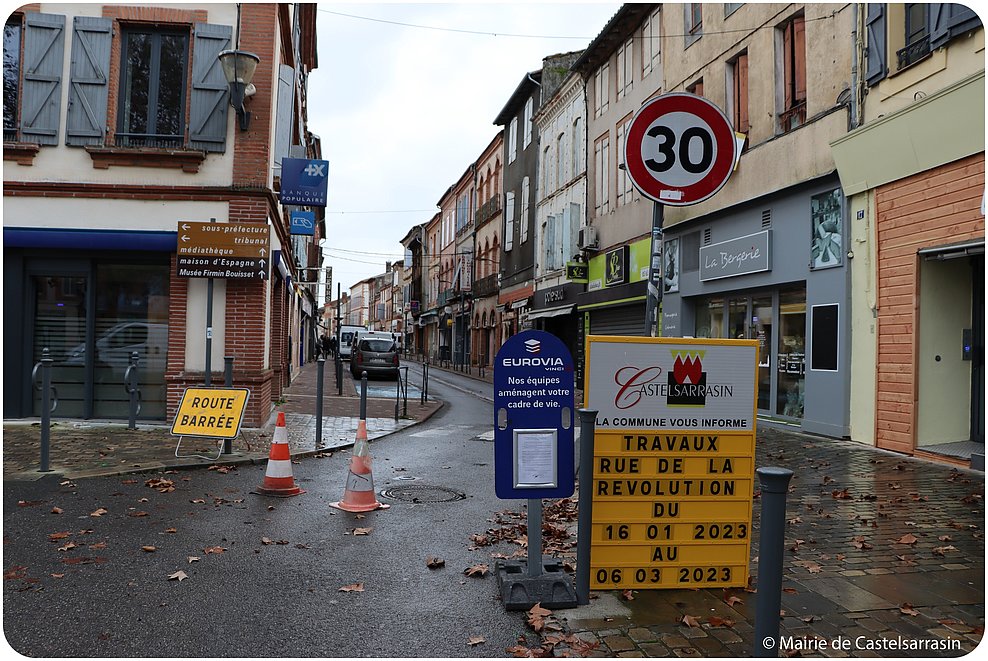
[710,318]
[761,330]
[792,357]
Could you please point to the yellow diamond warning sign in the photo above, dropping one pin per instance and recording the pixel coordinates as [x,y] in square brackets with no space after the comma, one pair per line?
[211,412]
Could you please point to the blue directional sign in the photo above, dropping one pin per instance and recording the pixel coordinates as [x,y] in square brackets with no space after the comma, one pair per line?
[303,222]
[304,182]
[533,418]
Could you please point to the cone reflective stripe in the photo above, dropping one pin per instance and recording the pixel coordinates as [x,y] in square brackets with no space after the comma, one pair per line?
[278,479]
[358,495]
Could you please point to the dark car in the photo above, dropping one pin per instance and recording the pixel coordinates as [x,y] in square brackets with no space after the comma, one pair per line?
[377,357]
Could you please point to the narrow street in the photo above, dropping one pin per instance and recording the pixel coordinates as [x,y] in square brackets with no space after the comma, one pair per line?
[263,575]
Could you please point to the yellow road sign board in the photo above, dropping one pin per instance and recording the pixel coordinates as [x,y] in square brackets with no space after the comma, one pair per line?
[211,412]
[674,461]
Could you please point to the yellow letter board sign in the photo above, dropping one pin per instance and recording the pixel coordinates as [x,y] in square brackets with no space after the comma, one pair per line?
[210,412]
[674,461]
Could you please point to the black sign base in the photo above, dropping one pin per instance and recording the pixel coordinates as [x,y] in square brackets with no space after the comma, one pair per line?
[519,591]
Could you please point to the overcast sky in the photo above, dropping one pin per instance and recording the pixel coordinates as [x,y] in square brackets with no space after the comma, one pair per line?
[404,100]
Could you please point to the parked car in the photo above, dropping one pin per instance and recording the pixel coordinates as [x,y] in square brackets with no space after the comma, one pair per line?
[378,356]
[347,334]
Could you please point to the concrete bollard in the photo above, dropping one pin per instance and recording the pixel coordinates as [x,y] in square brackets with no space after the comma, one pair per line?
[774,483]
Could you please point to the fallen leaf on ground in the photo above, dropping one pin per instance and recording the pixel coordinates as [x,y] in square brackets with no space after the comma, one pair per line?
[171,530]
[193,558]
[213,549]
[55,536]
[715,621]
[98,545]
[537,615]
[731,601]
[433,562]
[945,538]
[149,549]
[266,541]
[362,531]
[138,514]
[942,550]
[907,609]
[627,595]
[178,576]
[689,621]
[842,494]
[908,538]
[475,640]
[56,510]
[477,570]
[160,484]
[28,503]
[99,512]
[70,545]
[353,587]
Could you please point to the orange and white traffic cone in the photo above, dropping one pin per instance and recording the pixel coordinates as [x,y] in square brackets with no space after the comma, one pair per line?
[278,479]
[358,496]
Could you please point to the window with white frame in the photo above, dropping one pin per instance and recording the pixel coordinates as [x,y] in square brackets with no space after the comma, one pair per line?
[546,165]
[624,185]
[509,221]
[601,88]
[601,153]
[575,143]
[523,217]
[529,111]
[625,70]
[548,243]
[513,140]
[651,45]
[561,173]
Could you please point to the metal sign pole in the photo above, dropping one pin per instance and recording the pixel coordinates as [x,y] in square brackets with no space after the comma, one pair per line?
[534,537]
[209,327]
[654,298]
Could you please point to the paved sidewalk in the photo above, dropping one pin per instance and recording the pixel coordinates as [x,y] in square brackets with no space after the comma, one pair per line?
[91,448]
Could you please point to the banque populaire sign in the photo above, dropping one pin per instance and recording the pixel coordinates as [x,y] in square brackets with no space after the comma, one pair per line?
[674,453]
[533,418]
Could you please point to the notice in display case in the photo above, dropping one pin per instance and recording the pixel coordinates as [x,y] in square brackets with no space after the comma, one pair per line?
[535,458]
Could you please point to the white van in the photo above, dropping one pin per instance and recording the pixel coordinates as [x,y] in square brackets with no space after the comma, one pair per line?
[346,339]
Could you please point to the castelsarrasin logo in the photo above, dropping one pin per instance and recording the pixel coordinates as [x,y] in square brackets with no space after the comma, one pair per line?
[687,380]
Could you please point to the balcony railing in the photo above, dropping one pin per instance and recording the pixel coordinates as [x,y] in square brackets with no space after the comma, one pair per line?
[486,286]
[487,210]
[793,118]
[914,52]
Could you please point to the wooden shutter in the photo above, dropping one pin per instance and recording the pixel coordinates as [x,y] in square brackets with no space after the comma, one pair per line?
[947,20]
[286,114]
[799,58]
[44,46]
[875,28]
[741,96]
[88,80]
[210,93]
[787,66]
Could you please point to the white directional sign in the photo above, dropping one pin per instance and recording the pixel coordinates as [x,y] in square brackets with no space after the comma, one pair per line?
[680,149]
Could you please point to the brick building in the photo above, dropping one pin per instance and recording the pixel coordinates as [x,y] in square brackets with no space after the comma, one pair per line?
[118,128]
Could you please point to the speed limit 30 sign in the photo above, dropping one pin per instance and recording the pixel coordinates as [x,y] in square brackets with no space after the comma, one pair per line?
[680,149]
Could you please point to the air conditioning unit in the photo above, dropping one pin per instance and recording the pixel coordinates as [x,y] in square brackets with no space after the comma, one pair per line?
[587,238]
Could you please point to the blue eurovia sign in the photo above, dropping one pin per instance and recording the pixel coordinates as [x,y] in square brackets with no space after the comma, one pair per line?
[303,222]
[304,182]
[533,418]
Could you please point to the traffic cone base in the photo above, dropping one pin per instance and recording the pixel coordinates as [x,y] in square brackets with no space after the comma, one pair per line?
[278,479]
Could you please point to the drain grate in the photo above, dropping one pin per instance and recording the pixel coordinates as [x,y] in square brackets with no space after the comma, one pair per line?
[422,493]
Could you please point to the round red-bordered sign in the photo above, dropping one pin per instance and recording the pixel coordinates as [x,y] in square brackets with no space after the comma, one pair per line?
[680,149]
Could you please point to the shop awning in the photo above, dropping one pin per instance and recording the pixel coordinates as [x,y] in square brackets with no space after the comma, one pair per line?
[519,304]
[551,312]
[954,250]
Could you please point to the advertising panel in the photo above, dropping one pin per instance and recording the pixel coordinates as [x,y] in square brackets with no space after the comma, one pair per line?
[674,455]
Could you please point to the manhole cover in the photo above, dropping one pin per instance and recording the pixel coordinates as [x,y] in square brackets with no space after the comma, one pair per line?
[422,493]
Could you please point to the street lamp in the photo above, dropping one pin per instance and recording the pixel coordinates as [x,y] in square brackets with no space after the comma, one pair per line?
[238,67]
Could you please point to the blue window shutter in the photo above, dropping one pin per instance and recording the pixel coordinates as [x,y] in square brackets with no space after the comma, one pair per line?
[210,93]
[875,26]
[88,80]
[948,20]
[44,46]
[286,115]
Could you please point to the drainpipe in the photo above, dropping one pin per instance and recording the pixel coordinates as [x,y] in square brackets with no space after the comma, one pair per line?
[855,50]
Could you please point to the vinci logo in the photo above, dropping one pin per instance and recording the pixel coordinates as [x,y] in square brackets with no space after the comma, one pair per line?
[687,380]
[533,346]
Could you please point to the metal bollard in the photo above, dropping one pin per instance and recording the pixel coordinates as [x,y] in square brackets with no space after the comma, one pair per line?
[363,395]
[130,385]
[46,409]
[774,483]
[339,373]
[228,371]
[588,426]
[404,394]
[320,372]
